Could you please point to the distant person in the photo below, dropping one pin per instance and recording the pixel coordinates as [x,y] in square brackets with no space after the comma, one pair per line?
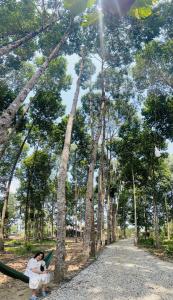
[38,275]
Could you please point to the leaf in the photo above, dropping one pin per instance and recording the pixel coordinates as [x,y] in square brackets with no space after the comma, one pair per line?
[90,19]
[142,12]
[90,3]
[142,9]
[76,7]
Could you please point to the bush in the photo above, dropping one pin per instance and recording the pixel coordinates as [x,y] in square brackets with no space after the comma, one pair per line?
[29,247]
[146,242]
[168,247]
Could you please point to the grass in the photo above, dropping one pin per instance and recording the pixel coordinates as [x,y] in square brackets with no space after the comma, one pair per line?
[20,247]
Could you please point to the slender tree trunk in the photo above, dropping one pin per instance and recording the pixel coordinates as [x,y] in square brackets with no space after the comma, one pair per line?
[109,220]
[167,219]
[156,222]
[93,248]
[75,209]
[114,208]
[101,194]
[155,212]
[14,45]
[145,216]
[61,199]
[109,200]
[9,114]
[89,192]
[7,192]
[135,213]
[100,217]
[52,214]
[27,210]
[29,199]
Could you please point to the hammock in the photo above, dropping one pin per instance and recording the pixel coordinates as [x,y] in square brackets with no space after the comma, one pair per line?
[19,275]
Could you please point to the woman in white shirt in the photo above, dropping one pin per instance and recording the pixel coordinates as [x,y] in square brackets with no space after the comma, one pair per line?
[38,275]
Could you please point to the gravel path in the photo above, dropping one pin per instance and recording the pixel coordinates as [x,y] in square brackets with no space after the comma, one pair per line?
[122,272]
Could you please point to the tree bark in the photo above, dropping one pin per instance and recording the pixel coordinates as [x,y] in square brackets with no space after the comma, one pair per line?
[14,45]
[89,192]
[9,114]
[156,222]
[75,210]
[155,210]
[100,217]
[61,199]
[113,221]
[109,220]
[167,219]
[93,248]
[101,195]
[27,209]
[135,214]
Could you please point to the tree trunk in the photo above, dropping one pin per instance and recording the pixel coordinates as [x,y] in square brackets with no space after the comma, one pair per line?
[89,192]
[14,45]
[7,192]
[167,219]
[101,194]
[93,248]
[9,114]
[114,209]
[75,209]
[109,220]
[156,222]
[135,214]
[52,214]
[100,217]
[155,212]
[27,210]
[61,199]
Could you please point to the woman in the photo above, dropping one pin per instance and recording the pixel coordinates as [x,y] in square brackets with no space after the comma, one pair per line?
[38,275]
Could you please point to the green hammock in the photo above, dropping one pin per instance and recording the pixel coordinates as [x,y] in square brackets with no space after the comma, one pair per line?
[19,275]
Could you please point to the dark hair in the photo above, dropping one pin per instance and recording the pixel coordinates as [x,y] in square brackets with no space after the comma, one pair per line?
[38,253]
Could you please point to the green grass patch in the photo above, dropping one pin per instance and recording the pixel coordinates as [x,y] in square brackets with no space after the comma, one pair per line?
[24,248]
[14,243]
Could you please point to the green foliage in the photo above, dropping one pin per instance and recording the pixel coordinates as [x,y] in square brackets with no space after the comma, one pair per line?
[6,96]
[158,112]
[77,7]
[92,18]
[154,66]
[142,8]
[14,243]
[146,242]
[17,17]
[55,78]
[88,71]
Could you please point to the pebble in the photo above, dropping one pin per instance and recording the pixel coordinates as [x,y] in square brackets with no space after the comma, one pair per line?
[121,272]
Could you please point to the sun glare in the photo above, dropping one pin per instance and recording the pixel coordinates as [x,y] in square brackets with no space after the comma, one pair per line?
[101,27]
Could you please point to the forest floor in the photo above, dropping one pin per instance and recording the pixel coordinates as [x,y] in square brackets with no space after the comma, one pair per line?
[11,289]
[121,272]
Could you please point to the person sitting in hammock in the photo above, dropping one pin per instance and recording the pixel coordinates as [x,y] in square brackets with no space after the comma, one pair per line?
[38,275]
